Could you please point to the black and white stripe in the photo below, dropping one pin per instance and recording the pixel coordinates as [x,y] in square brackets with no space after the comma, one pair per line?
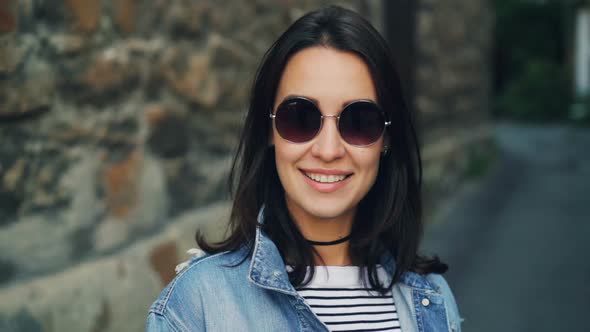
[343,304]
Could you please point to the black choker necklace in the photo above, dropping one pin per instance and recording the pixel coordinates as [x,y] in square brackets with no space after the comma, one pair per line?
[320,243]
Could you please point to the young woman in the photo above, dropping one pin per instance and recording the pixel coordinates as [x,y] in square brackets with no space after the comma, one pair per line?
[326,217]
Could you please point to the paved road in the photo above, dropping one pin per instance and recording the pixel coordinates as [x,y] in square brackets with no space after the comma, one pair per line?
[518,242]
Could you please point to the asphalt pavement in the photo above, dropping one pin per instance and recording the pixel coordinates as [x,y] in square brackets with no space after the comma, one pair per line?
[518,240]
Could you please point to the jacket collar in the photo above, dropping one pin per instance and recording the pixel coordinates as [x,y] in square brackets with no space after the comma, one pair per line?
[267,268]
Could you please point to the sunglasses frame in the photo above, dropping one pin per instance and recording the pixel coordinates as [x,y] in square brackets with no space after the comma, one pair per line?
[386,123]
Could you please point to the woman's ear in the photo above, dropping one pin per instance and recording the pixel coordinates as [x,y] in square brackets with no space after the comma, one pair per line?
[271,140]
[386,145]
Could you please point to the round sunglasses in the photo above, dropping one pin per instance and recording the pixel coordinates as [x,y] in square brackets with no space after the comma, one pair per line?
[360,123]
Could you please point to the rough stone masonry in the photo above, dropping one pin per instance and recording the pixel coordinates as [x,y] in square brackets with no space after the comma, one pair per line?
[117,123]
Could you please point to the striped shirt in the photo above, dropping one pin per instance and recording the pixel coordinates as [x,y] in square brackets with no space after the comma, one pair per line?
[340,300]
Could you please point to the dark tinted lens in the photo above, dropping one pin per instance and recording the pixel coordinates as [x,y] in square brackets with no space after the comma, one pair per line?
[361,123]
[298,120]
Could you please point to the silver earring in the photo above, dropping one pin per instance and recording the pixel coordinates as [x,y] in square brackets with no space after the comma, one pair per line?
[385,151]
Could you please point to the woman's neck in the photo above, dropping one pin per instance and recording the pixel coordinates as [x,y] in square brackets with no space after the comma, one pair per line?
[336,255]
[318,229]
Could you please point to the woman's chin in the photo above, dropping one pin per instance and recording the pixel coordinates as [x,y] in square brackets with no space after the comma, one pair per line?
[327,211]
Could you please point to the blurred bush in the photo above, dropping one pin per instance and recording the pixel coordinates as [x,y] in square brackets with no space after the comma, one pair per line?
[579,112]
[531,81]
[539,93]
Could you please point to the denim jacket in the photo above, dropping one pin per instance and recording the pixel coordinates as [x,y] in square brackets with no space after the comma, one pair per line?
[210,294]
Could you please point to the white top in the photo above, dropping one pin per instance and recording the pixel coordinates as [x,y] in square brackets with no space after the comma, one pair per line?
[338,297]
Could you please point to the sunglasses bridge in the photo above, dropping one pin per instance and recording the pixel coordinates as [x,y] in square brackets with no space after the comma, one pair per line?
[273,116]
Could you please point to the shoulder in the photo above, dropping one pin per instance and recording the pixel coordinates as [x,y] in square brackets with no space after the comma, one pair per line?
[440,283]
[179,307]
[443,288]
[183,296]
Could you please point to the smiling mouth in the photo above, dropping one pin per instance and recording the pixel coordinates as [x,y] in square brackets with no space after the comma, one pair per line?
[323,178]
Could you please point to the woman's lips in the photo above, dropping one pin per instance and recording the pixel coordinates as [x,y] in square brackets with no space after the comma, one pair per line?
[326,187]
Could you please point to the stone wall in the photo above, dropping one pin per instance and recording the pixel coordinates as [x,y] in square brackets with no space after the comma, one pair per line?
[117,118]
[117,115]
[452,84]
[117,122]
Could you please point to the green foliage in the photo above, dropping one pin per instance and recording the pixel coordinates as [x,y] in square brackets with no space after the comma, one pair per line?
[529,29]
[530,50]
[579,112]
[539,93]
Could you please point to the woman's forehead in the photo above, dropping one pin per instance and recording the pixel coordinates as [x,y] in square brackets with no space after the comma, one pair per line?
[327,75]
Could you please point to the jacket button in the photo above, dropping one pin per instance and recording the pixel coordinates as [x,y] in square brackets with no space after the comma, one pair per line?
[425,302]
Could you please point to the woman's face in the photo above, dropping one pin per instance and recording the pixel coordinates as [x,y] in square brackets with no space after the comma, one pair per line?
[332,79]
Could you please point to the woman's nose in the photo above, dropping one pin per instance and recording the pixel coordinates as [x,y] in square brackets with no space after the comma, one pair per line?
[328,144]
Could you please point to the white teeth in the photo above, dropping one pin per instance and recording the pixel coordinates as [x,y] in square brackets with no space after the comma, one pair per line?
[325,178]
